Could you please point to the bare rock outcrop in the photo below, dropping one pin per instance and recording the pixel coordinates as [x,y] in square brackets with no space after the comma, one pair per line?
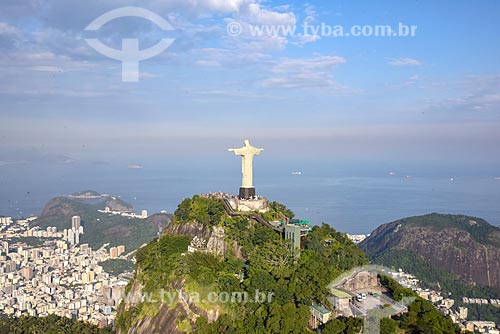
[466,246]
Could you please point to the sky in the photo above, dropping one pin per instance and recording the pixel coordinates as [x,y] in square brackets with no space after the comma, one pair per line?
[433,97]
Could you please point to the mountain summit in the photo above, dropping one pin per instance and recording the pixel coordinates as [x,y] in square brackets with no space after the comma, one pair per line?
[466,246]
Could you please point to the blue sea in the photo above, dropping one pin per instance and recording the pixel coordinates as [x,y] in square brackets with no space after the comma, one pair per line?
[352,198]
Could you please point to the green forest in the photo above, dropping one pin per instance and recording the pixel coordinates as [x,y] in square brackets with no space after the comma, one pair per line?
[52,324]
[265,264]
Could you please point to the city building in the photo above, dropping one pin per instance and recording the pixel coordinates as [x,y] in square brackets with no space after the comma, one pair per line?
[71,237]
[113,252]
[121,249]
[75,224]
[340,300]
[292,232]
[5,220]
[319,315]
[27,272]
[53,278]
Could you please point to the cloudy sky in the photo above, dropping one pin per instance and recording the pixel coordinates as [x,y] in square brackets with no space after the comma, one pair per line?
[430,97]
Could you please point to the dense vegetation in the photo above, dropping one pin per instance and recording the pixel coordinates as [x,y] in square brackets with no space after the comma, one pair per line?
[450,284]
[86,193]
[397,291]
[51,324]
[267,265]
[294,282]
[199,209]
[30,241]
[157,262]
[277,211]
[343,325]
[158,259]
[264,264]
[422,316]
[117,266]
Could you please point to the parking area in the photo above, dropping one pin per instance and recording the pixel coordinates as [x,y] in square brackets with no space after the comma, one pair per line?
[369,303]
[374,301]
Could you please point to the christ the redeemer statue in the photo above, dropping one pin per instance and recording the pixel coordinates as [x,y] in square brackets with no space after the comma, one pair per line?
[247,153]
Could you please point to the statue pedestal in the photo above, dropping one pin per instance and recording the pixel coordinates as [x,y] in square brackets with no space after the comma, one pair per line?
[246,193]
[247,205]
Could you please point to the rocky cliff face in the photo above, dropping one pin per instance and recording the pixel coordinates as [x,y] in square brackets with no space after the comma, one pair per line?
[190,229]
[168,317]
[164,322]
[215,237]
[466,246]
[216,243]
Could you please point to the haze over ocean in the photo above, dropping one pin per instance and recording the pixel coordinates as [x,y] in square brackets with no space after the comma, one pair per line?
[345,110]
[354,198]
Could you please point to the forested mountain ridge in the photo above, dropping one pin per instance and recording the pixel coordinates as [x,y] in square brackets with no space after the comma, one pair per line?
[466,246]
[99,227]
[257,259]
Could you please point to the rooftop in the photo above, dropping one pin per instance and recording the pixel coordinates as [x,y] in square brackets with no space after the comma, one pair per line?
[340,294]
[320,309]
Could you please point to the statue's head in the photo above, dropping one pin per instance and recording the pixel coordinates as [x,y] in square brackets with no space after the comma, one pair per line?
[247,142]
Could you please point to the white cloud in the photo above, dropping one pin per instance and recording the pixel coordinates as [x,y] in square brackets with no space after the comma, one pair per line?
[316,63]
[304,73]
[307,38]
[224,6]
[404,62]
[198,7]
[263,44]
[147,75]
[255,14]
[475,93]
[410,82]
[7,29]
[487,98]
[198,21]
[207,63]
[233,93]
[310,14]
[220,57]
[46,69]
[35,59]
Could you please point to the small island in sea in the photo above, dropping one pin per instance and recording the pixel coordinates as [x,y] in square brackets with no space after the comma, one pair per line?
[87,194]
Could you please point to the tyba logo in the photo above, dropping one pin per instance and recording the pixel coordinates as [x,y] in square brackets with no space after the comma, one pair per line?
[129,55]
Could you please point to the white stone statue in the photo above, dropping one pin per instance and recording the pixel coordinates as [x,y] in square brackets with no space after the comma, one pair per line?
[247,153]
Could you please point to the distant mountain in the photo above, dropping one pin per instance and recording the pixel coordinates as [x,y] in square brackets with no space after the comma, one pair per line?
[113,202]
[466,246]
[101,228]
[117,204]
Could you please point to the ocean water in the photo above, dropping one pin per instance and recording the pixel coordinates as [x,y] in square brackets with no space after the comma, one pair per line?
[353,200]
